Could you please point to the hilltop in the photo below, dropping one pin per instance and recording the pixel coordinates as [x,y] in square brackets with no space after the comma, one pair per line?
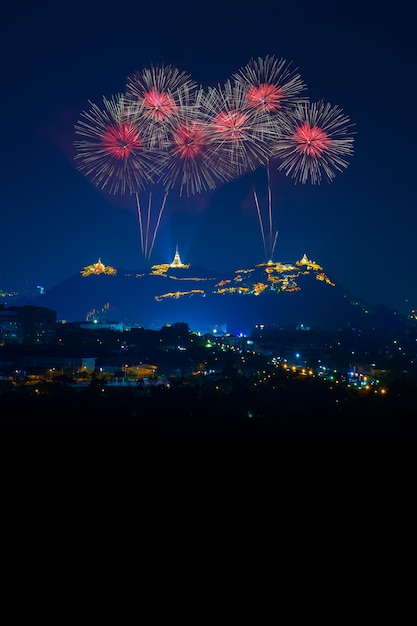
[274,293]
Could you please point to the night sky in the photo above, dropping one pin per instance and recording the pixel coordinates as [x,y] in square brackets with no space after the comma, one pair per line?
[360,56]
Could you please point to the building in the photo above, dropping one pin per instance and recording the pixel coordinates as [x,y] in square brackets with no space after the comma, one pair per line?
[27,324]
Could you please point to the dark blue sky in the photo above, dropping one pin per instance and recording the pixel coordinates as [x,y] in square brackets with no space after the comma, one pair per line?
[360,56]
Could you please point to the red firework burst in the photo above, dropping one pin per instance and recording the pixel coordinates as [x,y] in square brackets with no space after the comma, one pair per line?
[189,140]
[311,140]
[159,107]
[231,126]
[317,144]
[266,97]
[113,152]
[190,162]
[271,85]
[121,140]
[160,97]
[241,137]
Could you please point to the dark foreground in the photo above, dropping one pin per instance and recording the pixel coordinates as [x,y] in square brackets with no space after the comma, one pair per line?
[189,414]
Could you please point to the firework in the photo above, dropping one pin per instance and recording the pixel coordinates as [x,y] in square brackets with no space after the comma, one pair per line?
[241,137]
[112,152]
[317,144]
[160,97]
[271,85]
[191,162]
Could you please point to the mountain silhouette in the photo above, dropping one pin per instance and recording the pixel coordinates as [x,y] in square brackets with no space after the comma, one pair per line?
[283,295]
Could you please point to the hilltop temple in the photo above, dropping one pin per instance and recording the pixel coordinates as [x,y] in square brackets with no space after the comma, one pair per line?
[98,268]
[176,261]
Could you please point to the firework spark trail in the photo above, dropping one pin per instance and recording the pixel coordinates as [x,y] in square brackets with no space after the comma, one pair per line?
[142,242]
[270,207]
[148,221]
[272,236]
[161,210]
[148,228]
[317,144]
[255,195]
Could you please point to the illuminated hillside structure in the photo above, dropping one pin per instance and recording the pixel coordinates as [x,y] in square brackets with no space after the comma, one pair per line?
[310,264]
[264,277]
[270,277]
[176,261]
[98,268]
[163,268]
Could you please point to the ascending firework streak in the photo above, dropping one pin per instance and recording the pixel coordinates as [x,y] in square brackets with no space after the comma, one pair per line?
[316,144]
[272,87]
[269,246]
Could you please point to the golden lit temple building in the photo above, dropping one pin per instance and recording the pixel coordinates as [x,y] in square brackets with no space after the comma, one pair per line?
[311,265]
[98,268]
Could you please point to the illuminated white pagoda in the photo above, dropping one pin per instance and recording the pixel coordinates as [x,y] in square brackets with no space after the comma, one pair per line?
[176,261]
[162,269]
